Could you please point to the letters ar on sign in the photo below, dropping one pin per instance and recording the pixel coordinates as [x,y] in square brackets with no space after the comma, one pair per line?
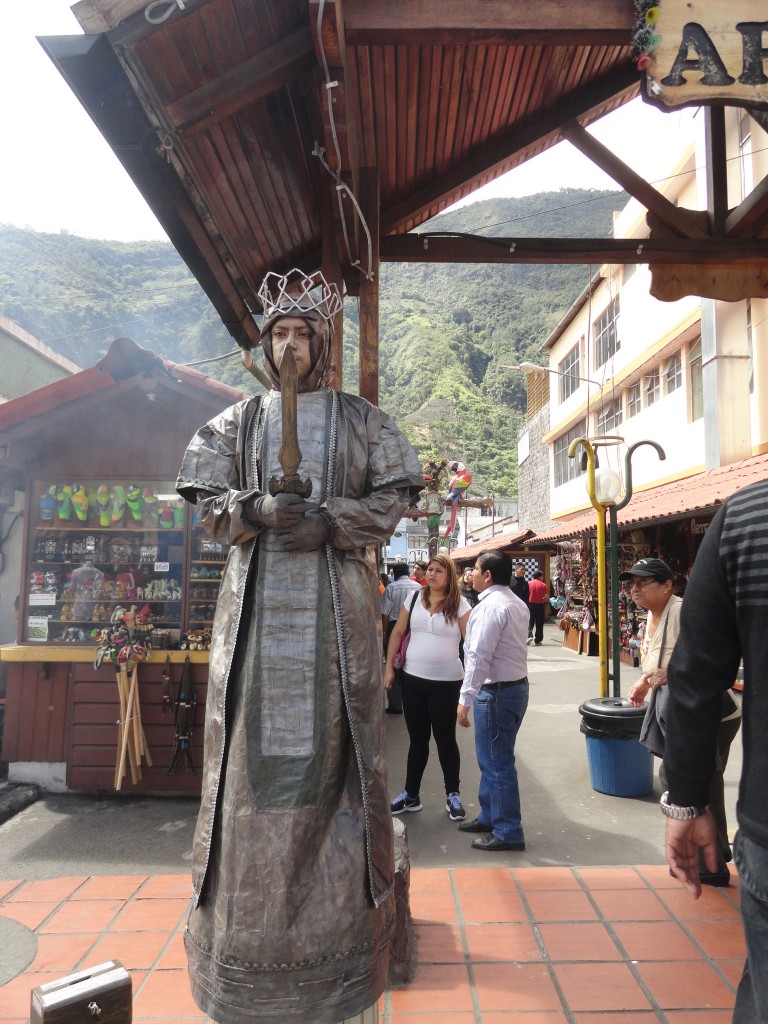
[714,51]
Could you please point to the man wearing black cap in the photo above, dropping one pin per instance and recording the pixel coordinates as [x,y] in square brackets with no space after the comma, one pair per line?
[724,620]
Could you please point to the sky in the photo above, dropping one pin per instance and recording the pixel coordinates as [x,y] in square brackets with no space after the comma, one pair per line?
[58,173]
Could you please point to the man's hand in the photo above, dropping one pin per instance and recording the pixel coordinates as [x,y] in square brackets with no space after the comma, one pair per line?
[462,716]
[281,511]
[307,534]
[681,845]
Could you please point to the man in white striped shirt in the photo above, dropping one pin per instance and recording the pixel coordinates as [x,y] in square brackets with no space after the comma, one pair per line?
[496,683]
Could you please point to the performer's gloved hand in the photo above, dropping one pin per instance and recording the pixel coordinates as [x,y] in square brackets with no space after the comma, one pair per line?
[280,511]
[308,535]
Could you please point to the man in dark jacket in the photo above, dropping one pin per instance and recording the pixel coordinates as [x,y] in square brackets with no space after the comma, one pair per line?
[519,584]
[724,621]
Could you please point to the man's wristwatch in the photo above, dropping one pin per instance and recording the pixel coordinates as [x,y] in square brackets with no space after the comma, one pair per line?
[677,812]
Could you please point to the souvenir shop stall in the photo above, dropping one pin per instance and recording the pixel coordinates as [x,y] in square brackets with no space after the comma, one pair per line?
[574,579]
[106,683]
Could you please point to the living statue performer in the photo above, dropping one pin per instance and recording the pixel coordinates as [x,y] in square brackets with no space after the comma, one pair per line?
[293,853]
[459,485]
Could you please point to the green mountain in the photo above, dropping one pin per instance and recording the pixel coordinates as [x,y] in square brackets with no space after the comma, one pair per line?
[445,329]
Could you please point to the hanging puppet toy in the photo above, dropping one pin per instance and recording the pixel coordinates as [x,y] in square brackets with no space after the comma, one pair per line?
[458,486]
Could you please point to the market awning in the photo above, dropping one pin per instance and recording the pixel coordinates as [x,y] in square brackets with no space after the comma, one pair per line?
[700,493]
[500,542]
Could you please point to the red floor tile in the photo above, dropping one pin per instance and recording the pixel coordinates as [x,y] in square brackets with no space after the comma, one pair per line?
[444,1017]
[611,878]
[430,880]
[48,890]
[587,940]
[433,907]
[30,914]
[136,951]
[732,969]
[151,915]
[561,906]
[546,878]
[499,942]
[523,1018]
[600,987]
[175,955]
[165,994]
[15,996]
[518,987]
[490,906]
[722,940]
[83,916]
[698,1017]
[484,879]
[657,876]
[439,944]
[168,887]
[698,986]
[655,940]
[636,1017]
[712,905]
[109,887]
[633,905]
[434,991]
[62,952]
[8,886]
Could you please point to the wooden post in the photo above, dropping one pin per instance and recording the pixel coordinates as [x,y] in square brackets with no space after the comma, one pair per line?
[369,289]
[332,274]
[717,173]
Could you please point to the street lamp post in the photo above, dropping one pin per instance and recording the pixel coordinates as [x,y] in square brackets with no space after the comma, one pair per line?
[613,547]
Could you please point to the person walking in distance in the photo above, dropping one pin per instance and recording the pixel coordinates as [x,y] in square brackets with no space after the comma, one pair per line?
[391,606]
[537,595]
[723,622]
[496,685]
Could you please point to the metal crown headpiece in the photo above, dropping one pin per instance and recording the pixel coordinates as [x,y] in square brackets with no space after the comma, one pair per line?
[299,293]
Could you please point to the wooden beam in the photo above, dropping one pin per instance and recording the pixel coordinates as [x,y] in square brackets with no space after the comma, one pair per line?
[677,219]
[749,217]
[484,164]
[259,76]
[369,291]
[331,265]
[717,169]
[459,248]
[482,22]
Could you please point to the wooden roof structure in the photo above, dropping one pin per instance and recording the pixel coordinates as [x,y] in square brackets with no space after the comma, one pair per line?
[271,134]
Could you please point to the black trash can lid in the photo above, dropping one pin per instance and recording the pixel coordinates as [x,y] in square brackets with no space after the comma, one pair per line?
[611,707]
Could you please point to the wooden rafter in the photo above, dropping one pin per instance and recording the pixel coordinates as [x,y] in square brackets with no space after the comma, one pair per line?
[481,164]
[749,217]
[502,22]
[681,221]
[447,248]
[250,81]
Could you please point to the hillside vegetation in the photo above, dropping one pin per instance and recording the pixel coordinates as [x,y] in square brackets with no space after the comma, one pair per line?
[445,330]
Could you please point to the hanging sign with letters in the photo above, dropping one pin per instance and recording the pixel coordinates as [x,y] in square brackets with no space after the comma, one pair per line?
[696,52]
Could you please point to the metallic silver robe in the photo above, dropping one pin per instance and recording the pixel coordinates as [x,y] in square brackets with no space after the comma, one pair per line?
[292,860]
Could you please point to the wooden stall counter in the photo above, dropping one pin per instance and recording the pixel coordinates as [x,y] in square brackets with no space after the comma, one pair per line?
[60,710]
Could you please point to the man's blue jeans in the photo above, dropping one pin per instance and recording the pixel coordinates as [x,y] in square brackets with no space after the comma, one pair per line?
[498,714]
[752,996]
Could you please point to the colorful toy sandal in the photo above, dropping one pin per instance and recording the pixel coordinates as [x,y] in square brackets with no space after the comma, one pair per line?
[118,503]
[80,502]
[48,503]
[64,501]
[103,501]
[135,502]
[150,507]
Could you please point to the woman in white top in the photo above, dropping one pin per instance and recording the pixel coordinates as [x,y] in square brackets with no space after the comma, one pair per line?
[431,680]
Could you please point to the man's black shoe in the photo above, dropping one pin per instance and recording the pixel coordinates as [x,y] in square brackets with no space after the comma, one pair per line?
[393,711]
[720,879]
[474,826]
[490,842]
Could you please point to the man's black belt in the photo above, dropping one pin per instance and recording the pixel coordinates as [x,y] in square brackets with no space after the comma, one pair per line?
[505,685]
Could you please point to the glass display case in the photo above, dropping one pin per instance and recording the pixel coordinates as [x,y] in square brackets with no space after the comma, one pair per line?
[97,546]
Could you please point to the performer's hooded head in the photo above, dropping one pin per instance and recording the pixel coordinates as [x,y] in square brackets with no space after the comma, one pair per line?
[290,296]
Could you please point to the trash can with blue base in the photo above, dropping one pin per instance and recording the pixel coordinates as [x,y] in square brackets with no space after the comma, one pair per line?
[618,764]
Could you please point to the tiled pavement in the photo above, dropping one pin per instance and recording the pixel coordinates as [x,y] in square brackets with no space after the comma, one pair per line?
[497,945]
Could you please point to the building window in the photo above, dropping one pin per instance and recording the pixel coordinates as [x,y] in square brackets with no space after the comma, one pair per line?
[568,369]
[634,400]
[673,377]
[609,418]
[627,272]
[652,388]
[567,469]
[746,176]
[697,384]
[607,334]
